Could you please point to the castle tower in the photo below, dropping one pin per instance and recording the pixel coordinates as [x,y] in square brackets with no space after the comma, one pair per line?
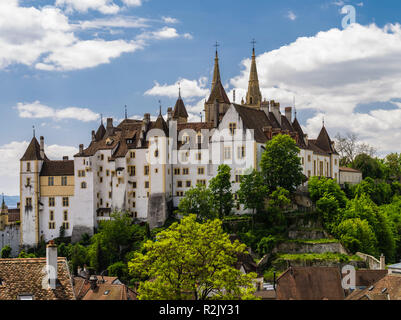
[217,94]
[253,96]
[180,113]
[30,167]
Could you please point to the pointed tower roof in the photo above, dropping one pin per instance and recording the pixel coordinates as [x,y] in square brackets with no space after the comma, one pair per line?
[160,123]
[101,131]
[218,92]
[253,96]
[32,152]
[297,127]
[3,204]
[324,141]
[179,110]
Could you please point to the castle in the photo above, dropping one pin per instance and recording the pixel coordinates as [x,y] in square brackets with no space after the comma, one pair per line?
[145,167]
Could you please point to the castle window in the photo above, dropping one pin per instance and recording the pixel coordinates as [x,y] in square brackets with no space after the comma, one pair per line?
[241,152]
[199,138]
[233,127]
[63,181]
[83,185]
[107,205]
[28,166]
[156,153]
[52,225]
[28,202]
[134,194]
[66,202]
[28,181]
[110,195]
[107,173]
[227,153]
[51,215]
[133,204]
[146,184]
[65,214]
[201,182]
[81,173]
[101,201]
[185,139]
[309,158]
[199,156]
[66,225]
[132,171]
[51,181]
[146,170]
[179,184]
[237,178]
[134,185]
[101,180]
[303,160]
[52,202]
[132,154]
[189,183]
[177,171]
[185,171]
[102,157]
[201,171]
[100,169]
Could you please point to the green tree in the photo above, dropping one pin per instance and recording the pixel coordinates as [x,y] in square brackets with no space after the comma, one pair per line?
[191,260]
[281,164]
[198,201]
[329,209]
[79,256]
[357,236]
[322,187]
[119,270]
[253,191]
[5,252]
[393,164]
[370,167]
[220,186]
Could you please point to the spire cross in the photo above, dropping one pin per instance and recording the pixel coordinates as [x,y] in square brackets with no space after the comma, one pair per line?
[33,127]
[217,45]
[160,111]
[126,114]
[179,89]
[253,42]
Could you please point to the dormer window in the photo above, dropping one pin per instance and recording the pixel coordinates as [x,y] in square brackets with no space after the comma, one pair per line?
[109,141]
[233,127]
[185,139]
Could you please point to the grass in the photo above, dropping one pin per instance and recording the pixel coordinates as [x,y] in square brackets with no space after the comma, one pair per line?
[304,257]
[314,241]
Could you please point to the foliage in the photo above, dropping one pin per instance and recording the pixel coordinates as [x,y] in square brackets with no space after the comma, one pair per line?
[393,212]
[281,165]
[349,148]
[253,191]
[357,235]
[379,192]
[191,260]
[24,255]
[370,167]
[321,186]
[119,270]
[393,164]
[266,245]
[5,252]
[220,187]
[198,201]
[279,198]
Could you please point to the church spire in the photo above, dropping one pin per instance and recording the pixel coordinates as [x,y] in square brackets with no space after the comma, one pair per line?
[216,72]
[253,96]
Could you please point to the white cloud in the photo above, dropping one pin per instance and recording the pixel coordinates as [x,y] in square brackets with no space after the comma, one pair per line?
[103,6]
[189,89]
[161,34]
[114,22]
[291,15]
[132,3]
[334,72]
[9,162]
[36,110]
[170,20]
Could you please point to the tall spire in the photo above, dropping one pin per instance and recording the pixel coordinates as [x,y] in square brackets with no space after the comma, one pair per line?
[216,73]
[126,113]
[253,96]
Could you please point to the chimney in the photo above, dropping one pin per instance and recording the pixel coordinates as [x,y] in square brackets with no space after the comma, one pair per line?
[51,264]
[234,96]
[275,108]
[42,147]
[382,262]
[109,127]
[288,114]
[93,135]
[93,282]
[65,158]
[264,106]
[146,118]
[216,113]
[169,114]
[81,149]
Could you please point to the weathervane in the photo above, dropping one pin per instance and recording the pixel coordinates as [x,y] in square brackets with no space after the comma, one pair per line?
[253,42]
[216,45]
[33,127]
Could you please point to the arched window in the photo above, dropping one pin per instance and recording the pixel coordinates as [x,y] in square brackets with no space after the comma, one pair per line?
[83,185]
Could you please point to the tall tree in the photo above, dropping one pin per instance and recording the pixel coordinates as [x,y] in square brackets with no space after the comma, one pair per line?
[198,201]
[191,260]
[220,186]
[348,146]
[370,167]
[253,191]
[281,164]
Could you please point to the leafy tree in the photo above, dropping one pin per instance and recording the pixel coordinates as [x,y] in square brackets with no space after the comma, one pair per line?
[329,208]
[198,201]
[279,198]
[281,165]
[220,186]
[393,212]
[321,186]
[24,255]
[79,256]
[266,245]
[357,236]
[369,166]
[119,270]
[253,191]
[379,192]
[393,164]
[5,252]
[191,260]
[349,148]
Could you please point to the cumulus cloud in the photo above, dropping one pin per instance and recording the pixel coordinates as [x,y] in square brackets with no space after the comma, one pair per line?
[334,74]
[189,89]
[291,15]
[114,22]
[170,20]
[9,162]
[103,6]
[36,110]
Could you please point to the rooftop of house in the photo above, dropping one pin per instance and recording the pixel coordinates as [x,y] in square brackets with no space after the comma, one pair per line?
[344,169]
[387,288]
[25,278]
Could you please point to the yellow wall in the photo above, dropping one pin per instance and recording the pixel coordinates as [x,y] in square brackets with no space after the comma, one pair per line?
[57,189]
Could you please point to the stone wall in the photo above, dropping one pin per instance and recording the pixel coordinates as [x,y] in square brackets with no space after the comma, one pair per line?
[11,236]
[317,248]
[371,262]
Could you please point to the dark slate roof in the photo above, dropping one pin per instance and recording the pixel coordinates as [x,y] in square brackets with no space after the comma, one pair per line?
[218,93]
[387,288]
[100,132]
[310,283]
[179,110]
[25,276]
[254,119]
[160,124]
[324,142]
[33,151]
[297,127]
[366,278]
[57,168]
[196,126]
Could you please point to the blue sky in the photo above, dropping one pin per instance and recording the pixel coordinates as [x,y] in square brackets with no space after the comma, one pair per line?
[61,54]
